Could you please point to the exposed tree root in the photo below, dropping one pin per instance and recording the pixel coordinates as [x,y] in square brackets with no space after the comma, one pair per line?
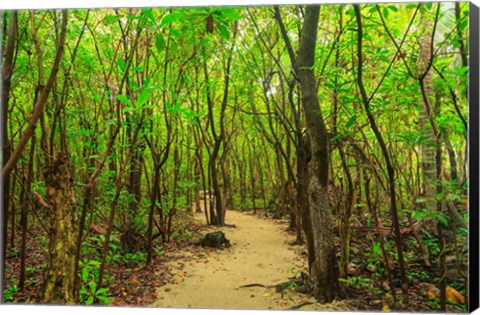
[296,307]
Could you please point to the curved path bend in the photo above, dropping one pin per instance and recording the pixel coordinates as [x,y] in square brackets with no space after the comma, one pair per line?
[260,253]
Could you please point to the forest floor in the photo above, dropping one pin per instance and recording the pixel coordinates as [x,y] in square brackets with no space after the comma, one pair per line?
[186,275]
[260,254]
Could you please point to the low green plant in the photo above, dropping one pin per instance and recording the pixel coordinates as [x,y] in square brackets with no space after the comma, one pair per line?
[134,258]
[175,235]
[9,294]
[89,292]
[44,241]
[376,249]
[420,276]
[433,247]
[434,304]
[292,284]
[30,271]
[114,254]
[13,252]
[361,283]
[158,251]
[356,282]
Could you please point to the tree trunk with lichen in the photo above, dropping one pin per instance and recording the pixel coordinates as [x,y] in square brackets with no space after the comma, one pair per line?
[427,147]
[58,282]
[324,270]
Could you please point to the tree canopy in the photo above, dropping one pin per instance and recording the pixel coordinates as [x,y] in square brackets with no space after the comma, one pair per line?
[350,121]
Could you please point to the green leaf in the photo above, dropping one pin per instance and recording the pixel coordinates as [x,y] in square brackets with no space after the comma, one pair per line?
[230,14]
[89,301]
[159,42]
[83,291]
[442,218]
[461,71]
[421,200]
[105,300]
[140,67]
[351,12]
[148,13]
[223,31]
[143,97]
[93,286]
[175,33]
[463,25]
[174,16]
[110,19]
[463,231]
[101,291]
[84,274]
[351,121]
[335,137]
[393,8]
[125,100]
[385,13]
[121,64]
[452,197]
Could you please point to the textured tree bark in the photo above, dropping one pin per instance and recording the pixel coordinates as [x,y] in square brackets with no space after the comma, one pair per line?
[324,271]
[58,283]
[303,157]
[24,216]
[197,176]
[6,83]
[427,148]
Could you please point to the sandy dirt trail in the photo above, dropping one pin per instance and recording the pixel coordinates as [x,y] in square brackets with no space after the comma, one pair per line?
[260,253]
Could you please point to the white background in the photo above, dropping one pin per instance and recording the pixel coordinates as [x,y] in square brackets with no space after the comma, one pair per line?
[29,4]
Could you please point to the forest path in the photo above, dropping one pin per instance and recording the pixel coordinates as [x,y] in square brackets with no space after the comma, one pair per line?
[259,254]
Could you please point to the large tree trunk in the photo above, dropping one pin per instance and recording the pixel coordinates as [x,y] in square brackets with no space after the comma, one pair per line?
[58,284]
[303,157]
[324,271]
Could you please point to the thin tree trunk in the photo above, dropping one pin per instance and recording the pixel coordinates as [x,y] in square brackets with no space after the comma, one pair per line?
[197,173]
[38,108]
[153,198]
[252,177]
[24,215]
[390,169]
[303,156]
